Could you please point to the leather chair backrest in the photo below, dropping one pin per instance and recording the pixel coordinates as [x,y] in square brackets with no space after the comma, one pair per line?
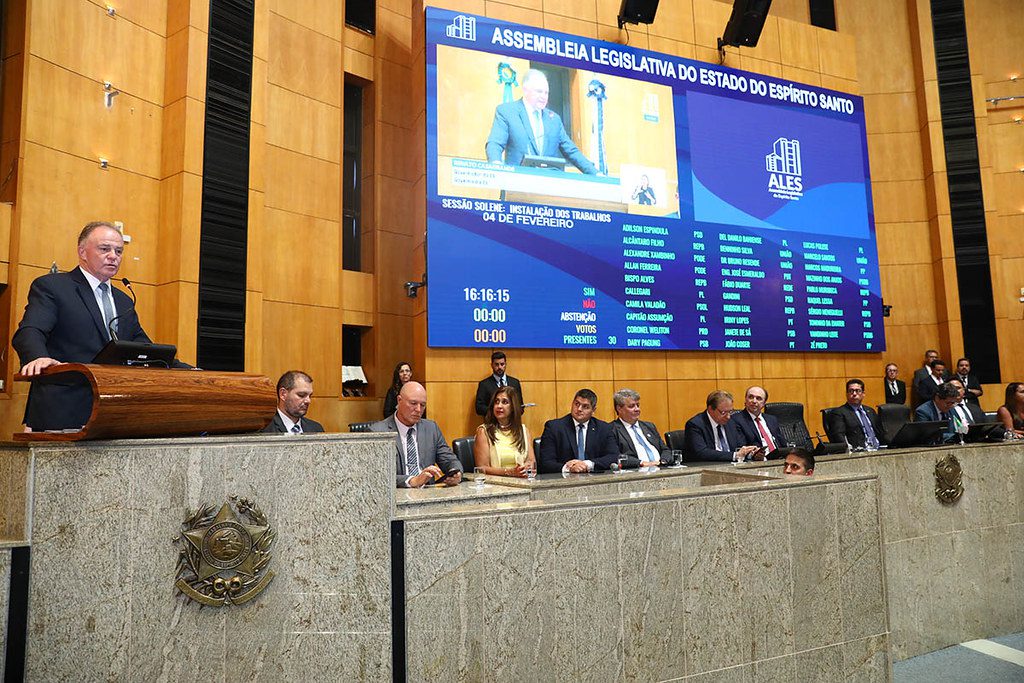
[674,440]
[359,426]
[893,416]
[464,451]
[791,421]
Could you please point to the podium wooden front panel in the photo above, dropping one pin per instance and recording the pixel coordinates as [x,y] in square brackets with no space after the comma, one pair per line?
[144,402]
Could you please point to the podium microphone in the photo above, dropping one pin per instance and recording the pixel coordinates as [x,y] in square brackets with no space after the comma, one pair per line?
[110,325]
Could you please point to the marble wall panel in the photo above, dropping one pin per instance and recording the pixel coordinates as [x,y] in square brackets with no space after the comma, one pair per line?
[104,516]
[13,493]
[688,585]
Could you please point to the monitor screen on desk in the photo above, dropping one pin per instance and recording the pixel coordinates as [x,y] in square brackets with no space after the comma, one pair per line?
[700,207]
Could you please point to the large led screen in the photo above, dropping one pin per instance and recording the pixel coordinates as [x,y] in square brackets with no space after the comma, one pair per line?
[584,194]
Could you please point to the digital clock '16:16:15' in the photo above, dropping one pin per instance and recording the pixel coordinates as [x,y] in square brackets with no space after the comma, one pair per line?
[486,294]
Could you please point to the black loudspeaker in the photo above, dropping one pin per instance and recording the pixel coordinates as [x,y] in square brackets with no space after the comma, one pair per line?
[745,23]
[637,12]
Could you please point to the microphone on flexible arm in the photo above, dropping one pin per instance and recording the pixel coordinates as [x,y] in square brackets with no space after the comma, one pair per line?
[110,325]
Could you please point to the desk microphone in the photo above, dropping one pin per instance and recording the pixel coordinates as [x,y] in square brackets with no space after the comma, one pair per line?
[110,325]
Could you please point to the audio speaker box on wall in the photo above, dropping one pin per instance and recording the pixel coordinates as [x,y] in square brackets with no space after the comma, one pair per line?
[746,22]
[637,12]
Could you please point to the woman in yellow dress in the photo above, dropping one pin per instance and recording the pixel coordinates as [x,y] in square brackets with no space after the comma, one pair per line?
[503,445]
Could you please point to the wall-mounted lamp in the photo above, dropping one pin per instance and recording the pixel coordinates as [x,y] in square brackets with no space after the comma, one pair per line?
[1014,77]
[104,163]
[109,93]
[111,12]
[1017,120]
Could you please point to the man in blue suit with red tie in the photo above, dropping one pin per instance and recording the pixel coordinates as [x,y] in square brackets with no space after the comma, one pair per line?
[526,127]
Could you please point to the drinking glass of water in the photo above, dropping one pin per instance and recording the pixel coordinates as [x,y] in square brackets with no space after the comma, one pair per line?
[479,477]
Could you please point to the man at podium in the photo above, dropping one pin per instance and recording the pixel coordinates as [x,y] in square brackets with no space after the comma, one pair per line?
[68,319]
[526,126]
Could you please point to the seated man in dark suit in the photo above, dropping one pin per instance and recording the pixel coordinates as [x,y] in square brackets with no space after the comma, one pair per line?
[422,456]
[710,435]
[639,441]
[970,382]
[527,127]
[895,389]
[855,422]
[927,385]
[578,442]
[498,378]
[757,428]
[969,413]
[294,394]
[940,408]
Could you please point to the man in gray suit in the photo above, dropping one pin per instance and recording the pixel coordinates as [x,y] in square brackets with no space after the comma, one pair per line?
[422,455]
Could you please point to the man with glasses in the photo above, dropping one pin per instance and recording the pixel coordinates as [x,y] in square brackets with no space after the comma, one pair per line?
[855,422]
[710,435]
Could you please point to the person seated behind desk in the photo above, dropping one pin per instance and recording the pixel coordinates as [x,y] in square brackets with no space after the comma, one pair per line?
[1011,413]
[710,435]
[639,441]
[940,409]
[578,442]
[854,422]
[503,445]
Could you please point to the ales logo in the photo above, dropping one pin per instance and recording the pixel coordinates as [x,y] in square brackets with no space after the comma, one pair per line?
[462,27]
[785,172]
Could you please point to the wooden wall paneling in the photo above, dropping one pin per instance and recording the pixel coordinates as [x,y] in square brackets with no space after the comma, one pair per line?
[687,398]
[180,210]
[182,140]
[793,73]
[892,112]
[470,6]
[1011,365]
[185,72]
[547,408]
[910,289]
[394,36]
[255,257]
[586,28]
[582,366]
[1004,233]
[396,264]
[792,10]
[358,41]
[450,404]
[935,157]
[392,157]
[257,155]
[260,97]
[785,389]
[864,365]
[895,156]
[1007,281]
[393,342]
[174,321]
[5,238]
[308,336]
[357,291]
[459,365]
[585,10]
[778,365]
[513,13]
[740,366]
[880,28]
[1005,140]
[87,193]
[817,365]
[358,63]
[312,187]
[326,17]
[837,54]
[639,364]
[798,45]
[65,111]
[399,206]
[690,364]
[400,7]
[900,201]
[319,135]
[709,20]
[758,66]
[1009,191]
[182,13]
[293,272]
[902,243]
[351,410]
[907,344]
[531,364]
[395,104]
[303,60]
[80,42]
[827,392]
[674,20]
[667,46]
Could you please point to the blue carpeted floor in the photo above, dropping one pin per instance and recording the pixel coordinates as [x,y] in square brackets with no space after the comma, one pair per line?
[962,664]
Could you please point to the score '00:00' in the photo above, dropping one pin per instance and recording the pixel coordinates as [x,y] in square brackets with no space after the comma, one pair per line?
[489,336]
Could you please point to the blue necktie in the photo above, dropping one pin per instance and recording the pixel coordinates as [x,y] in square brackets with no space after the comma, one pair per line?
[722,441]
[643,442]
[869,431]
[581,448]
[296,429]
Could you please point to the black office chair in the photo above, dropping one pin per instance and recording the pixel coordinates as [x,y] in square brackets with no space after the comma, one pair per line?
[464,451]
[359,426]
[536,448]
[791,421]
[991,417]
[892,416]
[674,439]
[826,424]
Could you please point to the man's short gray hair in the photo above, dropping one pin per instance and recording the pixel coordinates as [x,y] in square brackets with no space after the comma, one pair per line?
[622,395]
[534,75]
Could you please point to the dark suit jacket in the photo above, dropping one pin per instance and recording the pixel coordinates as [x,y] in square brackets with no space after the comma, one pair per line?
[844,424]
[625,442]
[63,321]
[430,445]
[558,444]
[276,425]
[901,392]
[751,435]
[512,134]
[972,383]
[699,440]
[929,412]
[925,388]
[486,388]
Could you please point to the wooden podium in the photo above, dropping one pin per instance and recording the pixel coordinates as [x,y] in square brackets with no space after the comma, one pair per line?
[150,402]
